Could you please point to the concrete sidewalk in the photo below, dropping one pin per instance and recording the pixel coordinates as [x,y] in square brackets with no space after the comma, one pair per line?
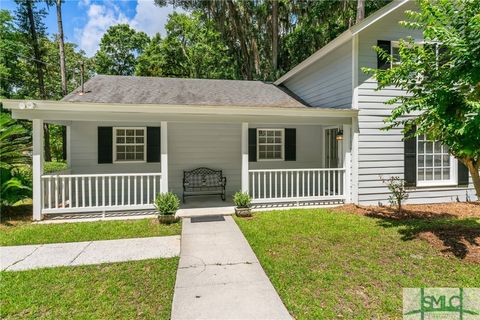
[219,276]
[27,257]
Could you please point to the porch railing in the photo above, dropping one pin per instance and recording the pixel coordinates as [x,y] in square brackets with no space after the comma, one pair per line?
[64,193]
[295,185]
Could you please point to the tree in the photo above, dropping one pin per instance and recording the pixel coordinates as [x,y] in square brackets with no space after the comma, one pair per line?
[119,49]
[151,61]
[192,48]
[360,10]
[441,79]
[31,25]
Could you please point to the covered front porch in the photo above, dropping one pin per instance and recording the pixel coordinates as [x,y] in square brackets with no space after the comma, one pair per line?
[280,157]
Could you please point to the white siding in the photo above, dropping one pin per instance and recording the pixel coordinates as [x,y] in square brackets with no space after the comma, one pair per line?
[84,140]
[381,152]
[328,82]
[193,145]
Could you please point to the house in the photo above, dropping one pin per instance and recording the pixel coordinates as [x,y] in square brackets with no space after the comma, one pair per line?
[313,136]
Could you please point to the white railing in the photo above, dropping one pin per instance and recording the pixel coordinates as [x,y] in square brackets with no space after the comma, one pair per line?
[99,192]
[295,185]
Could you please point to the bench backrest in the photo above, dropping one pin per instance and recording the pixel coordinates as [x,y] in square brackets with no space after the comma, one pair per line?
[202,177]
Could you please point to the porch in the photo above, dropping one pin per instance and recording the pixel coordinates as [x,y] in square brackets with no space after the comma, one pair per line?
[318,175]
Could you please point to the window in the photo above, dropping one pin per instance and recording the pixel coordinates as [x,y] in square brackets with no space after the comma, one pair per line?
[435,166]
[395,50]
[270,143]
[129,144]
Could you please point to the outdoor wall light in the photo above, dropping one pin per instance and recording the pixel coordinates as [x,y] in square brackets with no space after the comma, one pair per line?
[339,135]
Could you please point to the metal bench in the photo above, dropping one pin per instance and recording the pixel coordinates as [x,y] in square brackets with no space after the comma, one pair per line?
[203,181]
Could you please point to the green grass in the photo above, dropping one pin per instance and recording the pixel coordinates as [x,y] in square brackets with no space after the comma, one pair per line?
[129,290]
[328,265]
[21,232]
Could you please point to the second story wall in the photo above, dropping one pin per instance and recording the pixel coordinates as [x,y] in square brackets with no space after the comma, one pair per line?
[328,82]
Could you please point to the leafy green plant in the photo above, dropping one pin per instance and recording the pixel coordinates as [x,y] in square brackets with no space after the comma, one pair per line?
[14,146]
[54,166]
[398,189]
[242,199]
[167,203]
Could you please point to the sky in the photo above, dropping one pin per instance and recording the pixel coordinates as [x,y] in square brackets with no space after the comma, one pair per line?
[85,21]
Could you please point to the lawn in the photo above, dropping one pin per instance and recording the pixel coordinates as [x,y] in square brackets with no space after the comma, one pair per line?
[18,233]
[328,265]
[129,290]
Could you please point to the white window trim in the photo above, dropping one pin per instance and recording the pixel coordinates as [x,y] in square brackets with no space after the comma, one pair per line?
[283,144]
[115,145]
[437,183]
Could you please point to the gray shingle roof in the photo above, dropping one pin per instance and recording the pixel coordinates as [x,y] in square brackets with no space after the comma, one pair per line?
[152,90]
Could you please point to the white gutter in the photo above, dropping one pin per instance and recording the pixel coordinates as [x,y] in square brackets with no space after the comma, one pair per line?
[33,106]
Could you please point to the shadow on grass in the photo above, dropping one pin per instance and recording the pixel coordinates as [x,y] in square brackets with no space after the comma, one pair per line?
[457,236]
[10,215]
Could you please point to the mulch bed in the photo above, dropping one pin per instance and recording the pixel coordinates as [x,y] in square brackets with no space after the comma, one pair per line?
[457,239]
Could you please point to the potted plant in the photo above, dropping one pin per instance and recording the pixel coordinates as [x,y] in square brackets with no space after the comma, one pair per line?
[242,202]
[167,205]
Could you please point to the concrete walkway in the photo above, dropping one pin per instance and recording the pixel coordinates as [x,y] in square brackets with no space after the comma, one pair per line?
[17,258]
[219,276]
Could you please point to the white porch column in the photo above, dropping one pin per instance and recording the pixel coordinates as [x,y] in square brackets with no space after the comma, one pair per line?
[37,168]
[69,147]
[355,136]
[347,161]
[164,156]
[245,157]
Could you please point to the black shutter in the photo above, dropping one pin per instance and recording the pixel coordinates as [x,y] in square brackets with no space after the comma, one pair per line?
[410,159]
[105,144]
[383,63]
[153,144]
[252,144]
[462,174]
[290,144]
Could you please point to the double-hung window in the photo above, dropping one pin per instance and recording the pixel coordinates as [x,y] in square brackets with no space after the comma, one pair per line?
[129,144]
[270,144]
[435,166]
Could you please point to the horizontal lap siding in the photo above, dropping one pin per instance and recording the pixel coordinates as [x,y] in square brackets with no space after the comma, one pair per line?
[328,82]
[381,152]
[84,158]
[193,145]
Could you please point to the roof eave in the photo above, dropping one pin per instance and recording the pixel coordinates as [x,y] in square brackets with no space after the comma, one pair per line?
[63,106]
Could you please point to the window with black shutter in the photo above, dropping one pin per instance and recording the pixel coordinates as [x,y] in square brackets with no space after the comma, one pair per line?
[105,144]
[384,62]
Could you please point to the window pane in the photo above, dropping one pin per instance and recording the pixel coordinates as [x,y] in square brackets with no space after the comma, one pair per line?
[446,174]
[438,147]
[139,156]
[437,174]
[270,133]
[261,133]
[421,147]
[428,161]
[139,139]
[120,148]
[421,175]
[446,160]
[262,148]
[139,148]
[120,132]
[120,140]
[278,155]
[421,160]
[262,155]
[130,132]
[139,132]
[130,156]
[270,140]
[428,174]
[130,148]
[428,147]
[278,148]
[130,140]
[437,161]
[120,156]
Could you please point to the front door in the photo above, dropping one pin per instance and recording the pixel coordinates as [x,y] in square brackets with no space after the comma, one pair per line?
[331,148]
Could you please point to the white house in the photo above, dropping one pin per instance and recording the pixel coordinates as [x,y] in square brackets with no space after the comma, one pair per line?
[312,136]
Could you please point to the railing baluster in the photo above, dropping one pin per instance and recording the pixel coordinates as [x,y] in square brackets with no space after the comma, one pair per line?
[89,191]
[110,191]
[83,191]
[49,192]
[56,192]
[135,189]
[69,192]
[141,189]
[103,191]
[116,190]
[123,190]
[97,193]
[148,189]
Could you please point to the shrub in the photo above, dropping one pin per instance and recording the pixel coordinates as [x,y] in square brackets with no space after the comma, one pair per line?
[167,203]
[398,190]
[242,199]
[54,166]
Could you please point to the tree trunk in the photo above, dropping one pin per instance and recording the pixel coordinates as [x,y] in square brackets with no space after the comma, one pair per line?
[36,49]
[46,138]
[274,36]
[360,10]
[473,168]
[63,73]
